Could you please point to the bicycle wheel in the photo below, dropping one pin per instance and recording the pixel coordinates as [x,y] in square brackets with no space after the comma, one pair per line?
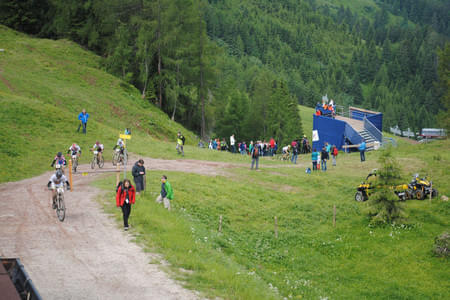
[60,207]
[115,158]
[75,165]
[93,163]
[101,162]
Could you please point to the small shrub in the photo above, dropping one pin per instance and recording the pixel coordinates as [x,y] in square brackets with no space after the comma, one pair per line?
[384,205]
[441,245]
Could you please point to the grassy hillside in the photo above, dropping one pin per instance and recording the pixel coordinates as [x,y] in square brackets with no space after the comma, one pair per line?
[44,84]
[306,114]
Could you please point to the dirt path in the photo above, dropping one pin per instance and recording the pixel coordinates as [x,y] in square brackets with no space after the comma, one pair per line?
[87,256]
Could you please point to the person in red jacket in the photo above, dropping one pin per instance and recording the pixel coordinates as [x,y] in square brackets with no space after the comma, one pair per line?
[126,195]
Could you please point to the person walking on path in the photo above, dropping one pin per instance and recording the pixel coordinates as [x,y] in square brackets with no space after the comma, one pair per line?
[362,149]
[83,118]
[233,143]
[334,154]
[314,157]
[138,172]
[166,193]
[324,157]
[125,196]
[255,155]
[180,143]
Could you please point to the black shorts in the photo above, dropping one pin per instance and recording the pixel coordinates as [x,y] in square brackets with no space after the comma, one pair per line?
[139,183]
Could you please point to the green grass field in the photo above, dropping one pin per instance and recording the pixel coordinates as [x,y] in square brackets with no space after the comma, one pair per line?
[43,86]
[310,259]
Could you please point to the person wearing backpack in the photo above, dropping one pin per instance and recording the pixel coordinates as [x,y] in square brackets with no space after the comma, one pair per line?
[125,197]
[334,154]
[256,151]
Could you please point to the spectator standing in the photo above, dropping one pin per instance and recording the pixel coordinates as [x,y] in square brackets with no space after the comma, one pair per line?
[138,172]
[166,193]
[83,118]
[328,147]
[314,157]
[180,143]
[362,149]
[250,147]
[256,150]
[334,154]
[294,153]
[242,148]
[324,157]
[125,197]
[272,146]
[233,144]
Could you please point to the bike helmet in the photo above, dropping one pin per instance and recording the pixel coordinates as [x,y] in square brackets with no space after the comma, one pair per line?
[97,143]
[59,154]
[74,145]
[59,174]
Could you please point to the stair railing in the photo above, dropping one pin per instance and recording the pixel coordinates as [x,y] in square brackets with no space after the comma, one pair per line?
[373,130]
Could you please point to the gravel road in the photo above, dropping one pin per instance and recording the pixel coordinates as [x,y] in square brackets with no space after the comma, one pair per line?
[87,256]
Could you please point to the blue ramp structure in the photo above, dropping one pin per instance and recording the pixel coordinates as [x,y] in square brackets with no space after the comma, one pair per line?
[349,128]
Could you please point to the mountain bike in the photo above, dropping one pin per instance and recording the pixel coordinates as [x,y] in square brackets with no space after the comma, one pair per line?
[60,206]
[97,161]
[119,157]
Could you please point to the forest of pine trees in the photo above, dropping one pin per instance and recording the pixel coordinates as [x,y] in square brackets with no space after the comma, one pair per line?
[232,66]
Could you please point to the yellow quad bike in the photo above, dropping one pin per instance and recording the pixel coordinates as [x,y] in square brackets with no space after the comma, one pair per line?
[369,185]
[419,188]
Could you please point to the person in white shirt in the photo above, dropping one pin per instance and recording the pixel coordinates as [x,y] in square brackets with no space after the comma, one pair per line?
[233,144]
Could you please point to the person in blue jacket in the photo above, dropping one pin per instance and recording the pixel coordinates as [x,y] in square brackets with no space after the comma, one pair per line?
[362,149]
[83,118]
[314,157]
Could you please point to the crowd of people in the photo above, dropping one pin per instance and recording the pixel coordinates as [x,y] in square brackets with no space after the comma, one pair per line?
[327,109]
[320,159]
[270,148]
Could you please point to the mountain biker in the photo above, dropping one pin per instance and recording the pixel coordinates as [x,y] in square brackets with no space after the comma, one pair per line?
[57,180]
[74,150]
[99,148]
[59,160]
[121,145]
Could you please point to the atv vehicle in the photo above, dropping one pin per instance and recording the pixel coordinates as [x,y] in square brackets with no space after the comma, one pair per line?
[368,186]
[419,188]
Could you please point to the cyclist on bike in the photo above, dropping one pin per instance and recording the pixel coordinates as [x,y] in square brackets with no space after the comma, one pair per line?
[57,180]
[99,148]
[121,145]
[59,160]
[74,150]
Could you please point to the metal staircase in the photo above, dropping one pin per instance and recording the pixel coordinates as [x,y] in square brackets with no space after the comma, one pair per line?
[368,138]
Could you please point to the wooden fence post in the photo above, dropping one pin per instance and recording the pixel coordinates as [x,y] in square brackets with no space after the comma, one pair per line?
[431,191]
[334,215]
[220,223]
[117,174]
[70,175]
[276,227]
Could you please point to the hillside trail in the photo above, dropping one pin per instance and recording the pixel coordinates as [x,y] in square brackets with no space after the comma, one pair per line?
[87,256]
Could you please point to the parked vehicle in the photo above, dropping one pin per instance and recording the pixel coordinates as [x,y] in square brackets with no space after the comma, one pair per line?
[419,188]
[369,185]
